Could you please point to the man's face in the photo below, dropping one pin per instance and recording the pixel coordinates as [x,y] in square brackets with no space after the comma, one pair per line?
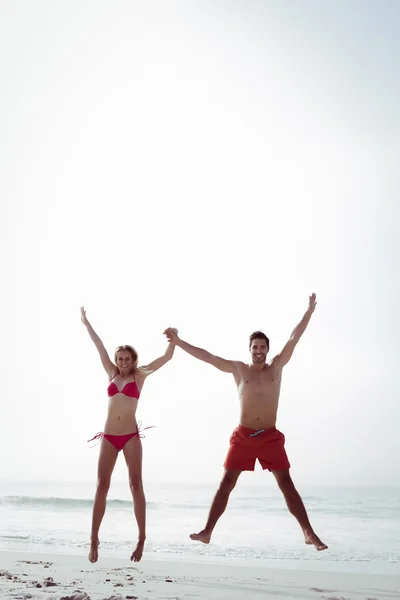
[258,351]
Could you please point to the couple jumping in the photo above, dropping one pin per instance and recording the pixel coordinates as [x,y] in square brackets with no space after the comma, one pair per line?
[256,437]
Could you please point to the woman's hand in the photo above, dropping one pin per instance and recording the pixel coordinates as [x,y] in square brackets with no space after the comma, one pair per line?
[83,316]
[109,366]
[171,334]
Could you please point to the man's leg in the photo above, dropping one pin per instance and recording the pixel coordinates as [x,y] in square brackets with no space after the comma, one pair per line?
[218,506]
[296,507]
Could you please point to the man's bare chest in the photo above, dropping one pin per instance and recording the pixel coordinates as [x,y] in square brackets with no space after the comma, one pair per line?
[262,383]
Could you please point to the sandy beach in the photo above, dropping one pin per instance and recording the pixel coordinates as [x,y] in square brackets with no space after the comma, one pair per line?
[26,576]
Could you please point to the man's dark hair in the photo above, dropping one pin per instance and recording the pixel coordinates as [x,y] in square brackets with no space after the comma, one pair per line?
[258,335]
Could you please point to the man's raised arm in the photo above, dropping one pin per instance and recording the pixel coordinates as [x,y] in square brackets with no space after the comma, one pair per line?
[228,366]
[286,354]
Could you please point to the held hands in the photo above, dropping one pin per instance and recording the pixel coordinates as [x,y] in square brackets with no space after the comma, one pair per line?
[312,303]
[171,334]
[83,316]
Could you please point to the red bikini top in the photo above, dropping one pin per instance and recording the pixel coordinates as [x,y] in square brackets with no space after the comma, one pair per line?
[130,389]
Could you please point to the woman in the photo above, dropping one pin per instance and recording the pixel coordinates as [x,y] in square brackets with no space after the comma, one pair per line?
[121,432]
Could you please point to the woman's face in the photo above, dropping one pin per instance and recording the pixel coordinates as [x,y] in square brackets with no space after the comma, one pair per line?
[124,360]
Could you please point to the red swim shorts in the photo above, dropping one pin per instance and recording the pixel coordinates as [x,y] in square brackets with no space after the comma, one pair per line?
[247,445]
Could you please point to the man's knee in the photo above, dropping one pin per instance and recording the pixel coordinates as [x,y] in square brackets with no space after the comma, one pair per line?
[228,482]
[285,482]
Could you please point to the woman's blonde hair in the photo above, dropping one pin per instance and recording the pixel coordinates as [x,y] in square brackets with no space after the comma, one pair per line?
[135,358]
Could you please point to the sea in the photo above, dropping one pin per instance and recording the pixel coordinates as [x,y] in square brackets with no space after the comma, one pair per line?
[360,525]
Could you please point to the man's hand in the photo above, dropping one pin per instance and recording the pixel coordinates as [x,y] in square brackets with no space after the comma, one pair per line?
[172,334]
[312,303]
[297,332]
[228,366]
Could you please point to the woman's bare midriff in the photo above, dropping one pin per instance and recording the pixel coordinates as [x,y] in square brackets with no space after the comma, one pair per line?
[121,418]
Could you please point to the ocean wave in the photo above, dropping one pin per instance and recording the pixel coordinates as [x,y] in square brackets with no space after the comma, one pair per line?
[212,551]
[38,503]
[54,502]
[249,505]
[15,537]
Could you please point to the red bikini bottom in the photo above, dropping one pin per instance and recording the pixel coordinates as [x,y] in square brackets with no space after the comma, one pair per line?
[119,441]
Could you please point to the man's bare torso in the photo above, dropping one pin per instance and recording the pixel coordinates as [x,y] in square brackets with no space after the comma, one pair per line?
[258,394]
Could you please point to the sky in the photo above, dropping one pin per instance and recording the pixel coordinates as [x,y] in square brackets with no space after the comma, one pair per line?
[203,165]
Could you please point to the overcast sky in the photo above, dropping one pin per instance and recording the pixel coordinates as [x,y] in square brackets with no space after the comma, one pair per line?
[205,165]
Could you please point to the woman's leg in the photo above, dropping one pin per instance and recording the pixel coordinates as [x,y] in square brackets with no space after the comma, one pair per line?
[133,457]
[107,459]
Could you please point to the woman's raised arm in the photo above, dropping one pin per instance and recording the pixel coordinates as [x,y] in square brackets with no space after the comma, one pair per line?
[108,365]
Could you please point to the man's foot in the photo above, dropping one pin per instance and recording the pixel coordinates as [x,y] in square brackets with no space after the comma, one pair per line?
[313,540]
[202,536]
[138,551]
[93,552]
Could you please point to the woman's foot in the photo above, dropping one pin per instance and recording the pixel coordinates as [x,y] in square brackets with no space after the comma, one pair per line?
[93,552]
[138,551]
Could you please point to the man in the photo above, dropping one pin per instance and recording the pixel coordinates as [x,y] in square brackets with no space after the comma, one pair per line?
[256,437]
